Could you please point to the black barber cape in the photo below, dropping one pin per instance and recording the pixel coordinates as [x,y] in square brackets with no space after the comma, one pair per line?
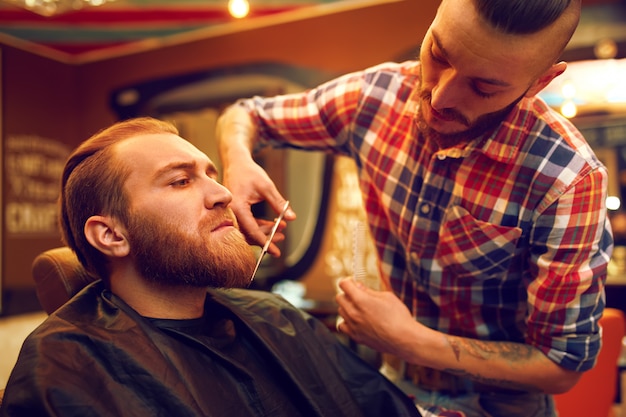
[253,354]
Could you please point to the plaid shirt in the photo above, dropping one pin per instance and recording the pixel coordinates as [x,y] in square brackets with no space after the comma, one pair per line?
[504,239]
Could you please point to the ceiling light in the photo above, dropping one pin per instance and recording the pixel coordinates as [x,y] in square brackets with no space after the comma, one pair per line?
[238,8]
[54,7]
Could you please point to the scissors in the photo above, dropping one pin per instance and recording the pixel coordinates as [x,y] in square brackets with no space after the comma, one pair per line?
[269,239]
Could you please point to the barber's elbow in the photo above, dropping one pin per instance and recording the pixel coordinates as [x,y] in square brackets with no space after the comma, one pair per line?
[565,382]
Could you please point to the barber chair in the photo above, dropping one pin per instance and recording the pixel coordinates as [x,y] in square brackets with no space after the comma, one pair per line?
[58,277]
[594,394]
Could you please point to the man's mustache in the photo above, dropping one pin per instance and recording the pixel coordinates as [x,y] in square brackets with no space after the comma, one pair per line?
[447,113]
[226,215]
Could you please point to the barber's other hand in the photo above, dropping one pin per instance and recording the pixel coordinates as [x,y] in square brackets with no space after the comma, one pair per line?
[378,319]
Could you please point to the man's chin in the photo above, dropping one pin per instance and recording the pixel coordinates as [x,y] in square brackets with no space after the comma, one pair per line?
[444,140]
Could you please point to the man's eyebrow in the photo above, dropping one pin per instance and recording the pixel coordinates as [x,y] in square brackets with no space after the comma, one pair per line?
[491,81]
[183,166]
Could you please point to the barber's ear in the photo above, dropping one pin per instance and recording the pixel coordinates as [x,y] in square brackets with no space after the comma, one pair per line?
[546,78]
[107,235]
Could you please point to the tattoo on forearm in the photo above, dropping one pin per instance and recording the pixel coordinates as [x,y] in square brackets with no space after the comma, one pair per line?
[456,348]
[485,350]
[501,383]
[481,349]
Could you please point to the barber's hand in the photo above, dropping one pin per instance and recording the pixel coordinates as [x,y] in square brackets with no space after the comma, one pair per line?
[250,184]
[378,319]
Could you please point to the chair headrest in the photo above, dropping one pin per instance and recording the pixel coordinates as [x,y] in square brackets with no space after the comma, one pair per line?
[58,277]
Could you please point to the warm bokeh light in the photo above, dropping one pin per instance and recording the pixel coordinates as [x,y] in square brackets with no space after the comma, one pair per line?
[589,88]
[613,203]
[568,89]
[606,49]
[238,8]
[569,109]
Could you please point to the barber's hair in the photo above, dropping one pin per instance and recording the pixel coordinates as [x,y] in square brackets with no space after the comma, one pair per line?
[522,16]
[93,184]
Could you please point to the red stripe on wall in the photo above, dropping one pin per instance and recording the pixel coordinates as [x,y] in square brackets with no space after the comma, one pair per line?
[134,15]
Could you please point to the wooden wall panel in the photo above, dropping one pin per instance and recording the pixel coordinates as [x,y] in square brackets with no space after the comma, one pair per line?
[39,119]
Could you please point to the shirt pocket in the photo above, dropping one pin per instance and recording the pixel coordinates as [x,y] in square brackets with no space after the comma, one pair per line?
[469,247]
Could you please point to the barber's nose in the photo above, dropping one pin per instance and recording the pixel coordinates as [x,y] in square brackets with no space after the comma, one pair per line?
[217,195]
[445,94]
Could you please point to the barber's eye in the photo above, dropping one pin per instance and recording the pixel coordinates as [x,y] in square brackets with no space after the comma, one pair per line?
[482,93]
[436,58]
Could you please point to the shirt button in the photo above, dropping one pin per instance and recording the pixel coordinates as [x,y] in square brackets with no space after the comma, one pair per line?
[441,156]
[415,257]
[425,208]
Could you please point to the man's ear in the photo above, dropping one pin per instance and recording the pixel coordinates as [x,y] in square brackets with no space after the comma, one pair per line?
[546,78]
[107,235]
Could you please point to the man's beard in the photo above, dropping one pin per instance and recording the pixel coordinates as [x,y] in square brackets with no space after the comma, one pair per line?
[481,125]
[166,256]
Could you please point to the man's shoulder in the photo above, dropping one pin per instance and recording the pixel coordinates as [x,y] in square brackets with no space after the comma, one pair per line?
[84,313]
[405,69]
[555,128]
[409,67]
[554,125]
[79,309]
[534,128]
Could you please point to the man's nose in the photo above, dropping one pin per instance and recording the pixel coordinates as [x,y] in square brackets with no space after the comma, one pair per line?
[447,92]
[217,194]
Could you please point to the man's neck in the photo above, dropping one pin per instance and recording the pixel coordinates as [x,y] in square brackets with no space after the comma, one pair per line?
[158,301]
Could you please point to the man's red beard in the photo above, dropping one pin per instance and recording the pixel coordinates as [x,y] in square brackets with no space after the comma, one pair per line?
[165,255]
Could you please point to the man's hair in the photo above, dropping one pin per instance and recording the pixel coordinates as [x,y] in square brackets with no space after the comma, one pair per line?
[521,16]
[93,184]
[525,17]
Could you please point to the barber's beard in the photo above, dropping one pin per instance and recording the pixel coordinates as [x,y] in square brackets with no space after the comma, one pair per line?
[478,127]
[166,256]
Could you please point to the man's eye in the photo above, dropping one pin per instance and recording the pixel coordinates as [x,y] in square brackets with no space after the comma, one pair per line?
[181,182]
[436,58]
[482,93]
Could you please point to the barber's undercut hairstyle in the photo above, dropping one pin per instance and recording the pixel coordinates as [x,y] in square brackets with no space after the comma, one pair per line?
[93,184]
[526,17]
[522,16]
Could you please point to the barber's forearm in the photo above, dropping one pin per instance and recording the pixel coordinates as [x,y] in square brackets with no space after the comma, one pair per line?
[235,134]
[503,364]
